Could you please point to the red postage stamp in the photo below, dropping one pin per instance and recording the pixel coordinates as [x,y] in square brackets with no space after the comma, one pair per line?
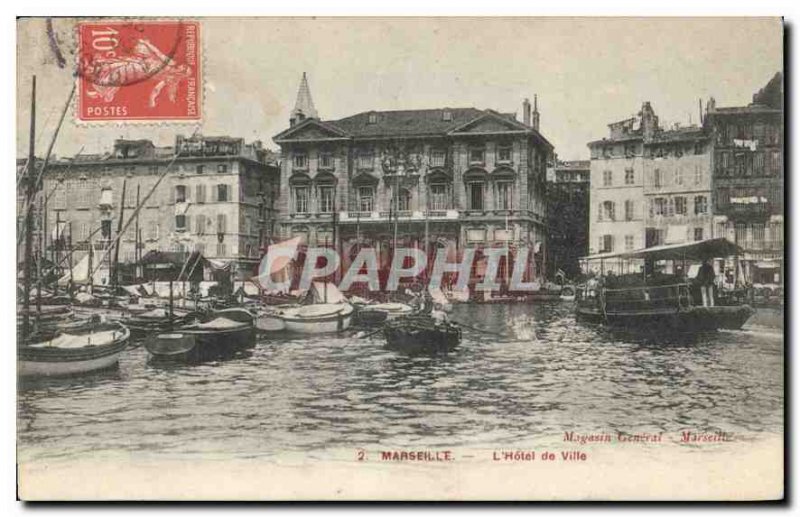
[136,70]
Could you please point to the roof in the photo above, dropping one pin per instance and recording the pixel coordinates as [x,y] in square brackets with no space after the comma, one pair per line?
[405,122]
[740,110]
[697,250]
[573,165]
[682,134]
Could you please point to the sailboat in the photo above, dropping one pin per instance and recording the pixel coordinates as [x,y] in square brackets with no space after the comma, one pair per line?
[65,350]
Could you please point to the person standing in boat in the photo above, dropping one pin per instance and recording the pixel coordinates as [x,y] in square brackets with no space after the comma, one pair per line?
[705,277]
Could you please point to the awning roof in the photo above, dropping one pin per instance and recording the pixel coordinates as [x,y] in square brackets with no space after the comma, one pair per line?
[697,250]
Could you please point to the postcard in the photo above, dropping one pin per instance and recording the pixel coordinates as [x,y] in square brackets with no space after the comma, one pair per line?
[400,259]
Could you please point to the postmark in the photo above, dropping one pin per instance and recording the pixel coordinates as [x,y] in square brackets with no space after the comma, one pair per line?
[135,70]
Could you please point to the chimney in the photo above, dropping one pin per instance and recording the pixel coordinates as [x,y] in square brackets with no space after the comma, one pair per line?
[700,110]
[526,112]
[649,122]
[535,116]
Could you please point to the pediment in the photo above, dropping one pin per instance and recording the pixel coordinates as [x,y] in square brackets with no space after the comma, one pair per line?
[309,130]
[489,122]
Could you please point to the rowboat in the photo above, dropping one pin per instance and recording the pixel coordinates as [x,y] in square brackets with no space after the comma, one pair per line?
[226,333]
[94,348]
[317,318]
[421,334]
[156,320]
[374,314]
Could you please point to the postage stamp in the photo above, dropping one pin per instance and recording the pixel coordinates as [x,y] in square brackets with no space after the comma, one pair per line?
[136,70]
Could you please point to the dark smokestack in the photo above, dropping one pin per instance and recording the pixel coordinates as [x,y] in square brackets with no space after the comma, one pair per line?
[526,112]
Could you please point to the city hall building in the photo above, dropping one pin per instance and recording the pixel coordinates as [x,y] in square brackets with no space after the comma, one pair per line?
[434,178]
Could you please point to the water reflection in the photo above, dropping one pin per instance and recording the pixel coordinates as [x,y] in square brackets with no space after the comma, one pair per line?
[545,375]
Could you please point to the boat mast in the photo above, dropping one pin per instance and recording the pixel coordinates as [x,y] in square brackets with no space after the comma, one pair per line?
[28,215]
[136,253]
[115,274]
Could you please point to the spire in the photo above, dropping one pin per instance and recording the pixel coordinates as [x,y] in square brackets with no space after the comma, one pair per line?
[304,106]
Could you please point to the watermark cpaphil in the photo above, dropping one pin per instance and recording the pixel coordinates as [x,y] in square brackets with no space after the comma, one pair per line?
[406,263]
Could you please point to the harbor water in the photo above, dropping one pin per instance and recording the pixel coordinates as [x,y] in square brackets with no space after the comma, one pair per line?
[529,376]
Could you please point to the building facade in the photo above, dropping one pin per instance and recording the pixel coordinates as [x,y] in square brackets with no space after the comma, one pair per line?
[463,177]
[216,196]
[649,185]
[568,215]
[749,180]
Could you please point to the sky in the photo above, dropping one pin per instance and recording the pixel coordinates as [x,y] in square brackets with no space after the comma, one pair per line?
[586,72]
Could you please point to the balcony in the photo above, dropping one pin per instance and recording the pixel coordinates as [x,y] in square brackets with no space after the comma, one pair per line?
[404,215]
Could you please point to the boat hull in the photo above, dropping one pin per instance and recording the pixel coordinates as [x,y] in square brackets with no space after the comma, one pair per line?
[691,319]
[200,345]
[47,361]
[421,337]
[324,324]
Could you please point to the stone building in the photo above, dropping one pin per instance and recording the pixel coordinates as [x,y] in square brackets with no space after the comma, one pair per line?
[217,198]
[749,179]
[462,176]
[649,185]
[568,215]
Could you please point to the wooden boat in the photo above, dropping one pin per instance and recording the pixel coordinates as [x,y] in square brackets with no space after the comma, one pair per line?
[92,348]
[157,320]
[328,311]
[420,334]
[568,293]
[317,318]
[226,333]
[667,303]
[375,314]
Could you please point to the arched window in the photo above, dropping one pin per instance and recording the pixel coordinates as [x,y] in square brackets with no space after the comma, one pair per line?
[475,180]
[299,186]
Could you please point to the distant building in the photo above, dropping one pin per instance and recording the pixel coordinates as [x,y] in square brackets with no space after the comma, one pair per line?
[218,199]
[649,185]
[749,179]
[568,216]
[471,177]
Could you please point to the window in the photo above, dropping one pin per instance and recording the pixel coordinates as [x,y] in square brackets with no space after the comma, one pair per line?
[740,234]
[199,169]
[365,199]
[447,115]
[758,164]
[679,175]
[222,192]
[326,199]
[504,153]
[180,193]
[699,148]
[476,155]
[403,200]
[630,179]
[758,235]
[180,223]
[698,175]
[504,195]
[660,206]
[605,211]
[300,198]
[628,242]
[222,250]
[200,194]
[606,243]
[365,160]
[152,231]
[700,205]
[680,205]
[608,178]
[200,224]
[300,160]
[438,197]
[437,158]
[326,161]
[629,208]
[698,234]
[373,118]
[105,229]
[475,192]
[60,198]
[222,168]
[222,223]
[657,178]
[775,162]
